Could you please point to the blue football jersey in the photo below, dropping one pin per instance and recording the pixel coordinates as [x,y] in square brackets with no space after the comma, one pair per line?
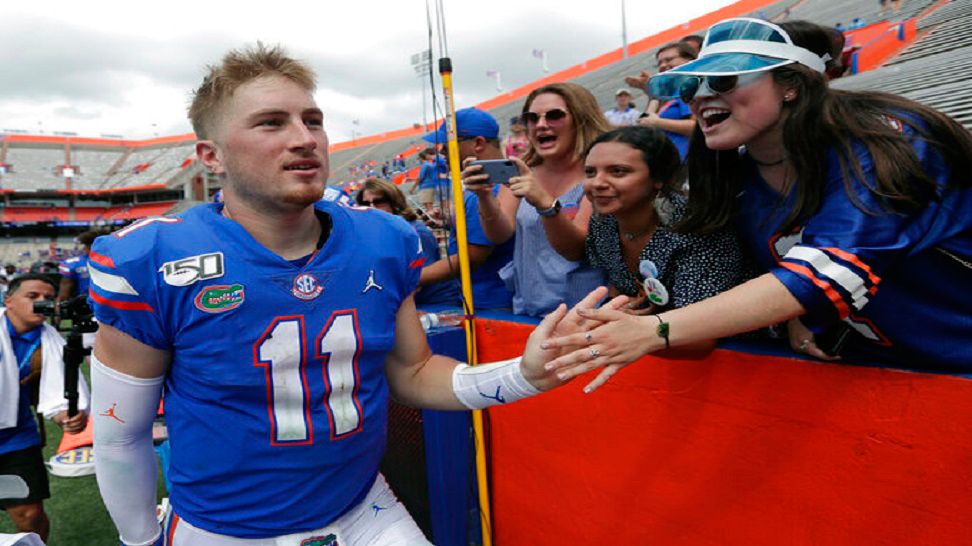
[900,281]
[276,398]
[76,269]
[337,195]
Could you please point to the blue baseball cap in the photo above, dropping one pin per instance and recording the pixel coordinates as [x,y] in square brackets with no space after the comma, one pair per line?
[470,122]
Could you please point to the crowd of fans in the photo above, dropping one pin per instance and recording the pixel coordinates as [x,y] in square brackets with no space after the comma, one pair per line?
[659,207]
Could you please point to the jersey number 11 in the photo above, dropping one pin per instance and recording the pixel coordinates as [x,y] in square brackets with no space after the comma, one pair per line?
[280,351]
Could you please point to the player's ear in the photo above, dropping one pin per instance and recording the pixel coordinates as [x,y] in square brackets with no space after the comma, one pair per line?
[210,156]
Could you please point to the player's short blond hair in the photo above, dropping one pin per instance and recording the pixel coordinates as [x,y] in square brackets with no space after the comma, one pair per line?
[238,67]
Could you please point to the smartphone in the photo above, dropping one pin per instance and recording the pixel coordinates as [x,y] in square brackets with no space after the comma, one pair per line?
[499,170]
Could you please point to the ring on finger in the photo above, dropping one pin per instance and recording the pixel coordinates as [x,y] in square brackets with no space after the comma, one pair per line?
[595,353]
[588,336]
[804,345]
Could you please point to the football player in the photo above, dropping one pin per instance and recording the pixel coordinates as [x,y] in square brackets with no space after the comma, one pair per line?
[277,325]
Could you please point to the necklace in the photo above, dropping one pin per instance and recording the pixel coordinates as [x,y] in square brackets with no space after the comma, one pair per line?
[767,163]
[632,235]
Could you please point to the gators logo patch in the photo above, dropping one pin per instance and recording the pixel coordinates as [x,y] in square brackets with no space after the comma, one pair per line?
[220,298]
[329,540]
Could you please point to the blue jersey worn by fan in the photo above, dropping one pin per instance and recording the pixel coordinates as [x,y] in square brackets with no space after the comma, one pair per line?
[898,280]
[266,458]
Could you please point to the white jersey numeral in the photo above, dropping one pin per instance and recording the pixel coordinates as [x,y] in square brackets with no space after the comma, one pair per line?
[280,350]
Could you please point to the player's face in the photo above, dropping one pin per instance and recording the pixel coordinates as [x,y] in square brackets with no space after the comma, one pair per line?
[20,304]
[271,145]
[617,179]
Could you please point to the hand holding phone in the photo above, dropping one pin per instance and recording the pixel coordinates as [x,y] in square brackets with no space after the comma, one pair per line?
[499,171]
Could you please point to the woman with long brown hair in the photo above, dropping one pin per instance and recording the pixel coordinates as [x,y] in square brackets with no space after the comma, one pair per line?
[857,204]
[544,207]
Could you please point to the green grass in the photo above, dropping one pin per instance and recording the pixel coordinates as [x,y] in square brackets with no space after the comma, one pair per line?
[78,516]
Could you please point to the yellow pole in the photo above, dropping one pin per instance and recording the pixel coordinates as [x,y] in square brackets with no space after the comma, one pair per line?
[445,70]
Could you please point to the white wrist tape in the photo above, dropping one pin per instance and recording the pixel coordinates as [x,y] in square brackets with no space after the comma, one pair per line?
[479,387]
[123,408]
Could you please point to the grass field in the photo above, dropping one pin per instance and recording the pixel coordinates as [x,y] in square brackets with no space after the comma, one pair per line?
[78,516]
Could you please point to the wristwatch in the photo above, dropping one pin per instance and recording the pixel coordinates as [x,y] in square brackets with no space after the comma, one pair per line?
[554,210]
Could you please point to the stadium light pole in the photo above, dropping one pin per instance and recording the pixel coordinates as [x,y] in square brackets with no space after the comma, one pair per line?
[422,64]
[624,31]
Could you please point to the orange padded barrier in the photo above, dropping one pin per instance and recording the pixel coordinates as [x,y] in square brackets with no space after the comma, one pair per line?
[880,49]
[734,449]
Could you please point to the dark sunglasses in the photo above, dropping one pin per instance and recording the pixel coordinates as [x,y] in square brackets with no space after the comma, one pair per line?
[718,84]
[375,202]
[552,116]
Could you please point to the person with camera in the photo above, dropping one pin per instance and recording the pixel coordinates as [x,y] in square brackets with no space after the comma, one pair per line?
[544,205]
[31,366]
[478,135]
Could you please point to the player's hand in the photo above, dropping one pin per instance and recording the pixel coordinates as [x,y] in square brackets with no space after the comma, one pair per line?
[526,186]
[71,425]
[535,357]
[803,341]
[619,340]
[474,179]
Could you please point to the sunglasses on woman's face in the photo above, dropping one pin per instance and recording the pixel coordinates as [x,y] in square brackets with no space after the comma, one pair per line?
[553,117]
[717,84]
[375,202]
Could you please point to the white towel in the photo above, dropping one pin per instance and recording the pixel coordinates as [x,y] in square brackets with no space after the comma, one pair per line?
[51,400]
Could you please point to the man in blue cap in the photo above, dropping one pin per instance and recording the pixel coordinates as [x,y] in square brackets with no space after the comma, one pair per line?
[477,133]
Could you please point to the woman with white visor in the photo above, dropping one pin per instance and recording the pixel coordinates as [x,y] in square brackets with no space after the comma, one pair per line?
[856,204]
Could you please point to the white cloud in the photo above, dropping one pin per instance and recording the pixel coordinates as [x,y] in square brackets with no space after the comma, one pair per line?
[105,67]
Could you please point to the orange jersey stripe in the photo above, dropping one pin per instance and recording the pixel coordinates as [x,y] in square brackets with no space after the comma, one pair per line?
[124,305]
[831,294]
[100,259]
[847,256]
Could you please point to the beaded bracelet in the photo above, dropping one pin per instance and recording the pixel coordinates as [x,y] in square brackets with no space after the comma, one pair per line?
[662,330]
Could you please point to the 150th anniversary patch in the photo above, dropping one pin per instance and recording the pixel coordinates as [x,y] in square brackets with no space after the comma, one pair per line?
[192,269]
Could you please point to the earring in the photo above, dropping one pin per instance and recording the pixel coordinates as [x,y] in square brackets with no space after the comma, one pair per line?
[789,97]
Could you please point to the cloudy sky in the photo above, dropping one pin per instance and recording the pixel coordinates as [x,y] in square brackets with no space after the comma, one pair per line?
[126,68]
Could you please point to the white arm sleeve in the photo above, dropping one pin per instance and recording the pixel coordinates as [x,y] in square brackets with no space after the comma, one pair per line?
[486,385]
[123,408]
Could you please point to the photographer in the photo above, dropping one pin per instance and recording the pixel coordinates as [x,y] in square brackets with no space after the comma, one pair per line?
[31,361]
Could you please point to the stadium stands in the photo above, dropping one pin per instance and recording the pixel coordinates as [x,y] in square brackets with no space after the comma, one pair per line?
[920,72]
[932,69]
[34,168]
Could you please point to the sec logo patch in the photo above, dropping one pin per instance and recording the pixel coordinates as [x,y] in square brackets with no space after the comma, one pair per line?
[306,287]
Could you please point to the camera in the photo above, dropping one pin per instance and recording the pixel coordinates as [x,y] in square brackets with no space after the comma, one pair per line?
[75,309]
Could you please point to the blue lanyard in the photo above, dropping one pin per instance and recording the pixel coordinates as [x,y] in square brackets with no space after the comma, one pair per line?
[29,353]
